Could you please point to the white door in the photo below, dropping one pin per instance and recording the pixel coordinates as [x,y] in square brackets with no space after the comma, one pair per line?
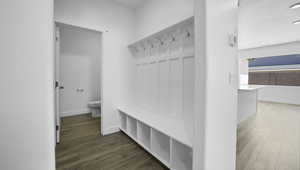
[57,83]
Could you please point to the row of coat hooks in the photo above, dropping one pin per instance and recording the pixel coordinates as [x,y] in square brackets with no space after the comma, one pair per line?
[174,37]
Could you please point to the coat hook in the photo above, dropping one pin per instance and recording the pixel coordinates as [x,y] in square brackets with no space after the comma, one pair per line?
[160,41]
[188,34]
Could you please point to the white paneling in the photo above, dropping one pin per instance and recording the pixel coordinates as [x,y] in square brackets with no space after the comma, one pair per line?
[152,84]
[163,86]
[139,86]
[147,88]
[176,87]
[188,93]
[143,86]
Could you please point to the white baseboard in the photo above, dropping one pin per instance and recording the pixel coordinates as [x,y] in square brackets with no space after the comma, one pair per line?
[74,113]
[110,130]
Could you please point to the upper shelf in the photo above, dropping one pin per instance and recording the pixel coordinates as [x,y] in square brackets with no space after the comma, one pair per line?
[176,36]
[170,126]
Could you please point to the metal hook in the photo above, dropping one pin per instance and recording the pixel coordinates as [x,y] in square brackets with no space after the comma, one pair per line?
[173,38]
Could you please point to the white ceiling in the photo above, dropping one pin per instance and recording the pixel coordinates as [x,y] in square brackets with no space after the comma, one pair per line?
[131,3]
[267,22]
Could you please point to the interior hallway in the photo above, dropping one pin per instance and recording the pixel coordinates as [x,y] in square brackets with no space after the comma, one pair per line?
[82,148]
[270,140]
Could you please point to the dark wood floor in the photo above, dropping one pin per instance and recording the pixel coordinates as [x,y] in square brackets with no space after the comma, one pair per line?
[83,148]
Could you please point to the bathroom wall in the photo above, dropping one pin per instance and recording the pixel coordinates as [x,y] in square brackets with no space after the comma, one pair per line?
[80,68]
[27,88]
[117,24]
[155,15]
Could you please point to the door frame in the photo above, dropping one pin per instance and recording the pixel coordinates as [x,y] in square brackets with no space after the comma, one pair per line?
[57,71]
[57,80]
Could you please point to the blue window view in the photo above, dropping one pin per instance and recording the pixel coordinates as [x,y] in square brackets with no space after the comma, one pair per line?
[275,61]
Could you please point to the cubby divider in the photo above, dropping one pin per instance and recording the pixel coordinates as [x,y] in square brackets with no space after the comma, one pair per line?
[144,135]
[160,146]
[181,156]
[123,121]
[132,127]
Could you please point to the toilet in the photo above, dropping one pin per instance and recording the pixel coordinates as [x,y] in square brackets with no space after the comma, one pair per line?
[95,108]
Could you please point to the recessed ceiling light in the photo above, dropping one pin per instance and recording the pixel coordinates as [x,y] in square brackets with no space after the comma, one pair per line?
[295,6]
[296,22]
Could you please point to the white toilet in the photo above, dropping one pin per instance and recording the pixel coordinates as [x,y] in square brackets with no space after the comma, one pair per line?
[95,108]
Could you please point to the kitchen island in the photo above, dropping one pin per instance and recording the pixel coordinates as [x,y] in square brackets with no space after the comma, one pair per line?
[247,101]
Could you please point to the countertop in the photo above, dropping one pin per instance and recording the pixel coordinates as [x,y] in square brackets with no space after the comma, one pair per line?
[250,87]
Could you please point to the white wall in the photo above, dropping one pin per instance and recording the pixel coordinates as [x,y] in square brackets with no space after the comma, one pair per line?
[270,24]
[243,70]
[155,15]
[216,109]
[281,94]
[272,50]
[27,89]
[243,66]
[80,68]
[103,15]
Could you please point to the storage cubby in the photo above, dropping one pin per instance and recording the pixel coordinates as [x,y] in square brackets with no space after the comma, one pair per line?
[123,121]
[160,109]
[144,134]
[182,157]
[160,146]
[132,127]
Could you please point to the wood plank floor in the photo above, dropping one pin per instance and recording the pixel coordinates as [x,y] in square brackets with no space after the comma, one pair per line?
[83,148]
[270,140]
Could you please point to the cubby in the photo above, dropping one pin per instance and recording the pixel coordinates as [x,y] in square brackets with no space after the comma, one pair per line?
[144,134]
[160,115]
[123,121]
[132,127]
[181,157]
[160,146]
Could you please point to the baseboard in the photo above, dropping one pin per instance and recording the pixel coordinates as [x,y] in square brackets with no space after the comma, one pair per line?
[74,113]
[279,102]
[110,130]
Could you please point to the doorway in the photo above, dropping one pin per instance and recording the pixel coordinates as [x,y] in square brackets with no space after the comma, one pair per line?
[78,67]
